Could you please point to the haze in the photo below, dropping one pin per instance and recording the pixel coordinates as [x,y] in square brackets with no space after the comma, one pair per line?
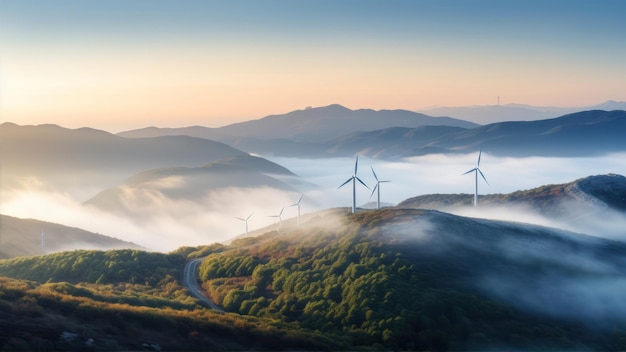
[118,65]
[165,224]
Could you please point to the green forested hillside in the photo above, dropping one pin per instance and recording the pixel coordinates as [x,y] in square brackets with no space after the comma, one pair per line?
[391,279]
[399,279]
[121,300]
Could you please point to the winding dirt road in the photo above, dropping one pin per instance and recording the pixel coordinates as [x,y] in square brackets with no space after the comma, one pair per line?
[191,282]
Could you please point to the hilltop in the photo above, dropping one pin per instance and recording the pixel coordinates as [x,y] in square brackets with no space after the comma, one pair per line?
[392,279]
[592,192]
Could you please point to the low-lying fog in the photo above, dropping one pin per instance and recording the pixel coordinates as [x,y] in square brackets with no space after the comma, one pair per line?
[171,224]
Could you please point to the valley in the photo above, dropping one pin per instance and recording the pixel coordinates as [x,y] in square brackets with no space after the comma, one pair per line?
[427,271]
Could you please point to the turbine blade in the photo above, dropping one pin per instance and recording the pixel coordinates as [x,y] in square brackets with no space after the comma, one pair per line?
[240,219]
[363,183]
[281,211]
[343,184]
[300,200]
[374,190]
[376,177]
[383,181]
[472,170]
[249,216]
[356,164]
[481,174]
[479,155]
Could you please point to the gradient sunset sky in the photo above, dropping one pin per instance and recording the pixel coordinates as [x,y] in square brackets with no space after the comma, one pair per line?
[119,65]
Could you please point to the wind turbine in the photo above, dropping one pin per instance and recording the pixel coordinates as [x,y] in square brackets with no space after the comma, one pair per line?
[477,171]
[354,178]
[377,187]
[280,218]
[297,204]
[246,221]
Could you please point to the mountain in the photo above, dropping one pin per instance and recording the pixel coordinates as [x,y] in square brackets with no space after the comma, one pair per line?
[22,237]
[603,191]
[487,114]
[394,279]
[309,125]
[424,280]
[150,189]
[594,205]
[584,133]
[66,157]
[391,143]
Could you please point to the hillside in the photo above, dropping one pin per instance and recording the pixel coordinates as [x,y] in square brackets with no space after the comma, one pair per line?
[150,189]
[390,279]
[590,193]
[61,157]
[22,237]
[413,279]
[124,300]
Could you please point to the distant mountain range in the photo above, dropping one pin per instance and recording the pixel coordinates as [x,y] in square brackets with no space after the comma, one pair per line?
[66,157]
[578,134]
[22,237]
[486,114]
[309,125]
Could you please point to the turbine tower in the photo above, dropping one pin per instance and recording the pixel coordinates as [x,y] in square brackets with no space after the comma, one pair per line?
[280,218]
[246,221]
[377,187]
[354,178]
[42,240]
[297,204]
[477,171]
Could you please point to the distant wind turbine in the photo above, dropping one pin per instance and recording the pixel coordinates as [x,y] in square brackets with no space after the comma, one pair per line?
[354,178]
[297,204]
[246,221]
[42,239]
[477,171]
[280,218]
[377,187]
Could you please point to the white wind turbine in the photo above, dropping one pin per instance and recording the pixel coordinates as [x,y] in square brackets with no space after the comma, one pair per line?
[246,221]
[354,178]
[377,187]
[297,204]
[477,171]
[280,218]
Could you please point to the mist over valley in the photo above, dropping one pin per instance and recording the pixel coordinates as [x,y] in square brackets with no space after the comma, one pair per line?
[537,261]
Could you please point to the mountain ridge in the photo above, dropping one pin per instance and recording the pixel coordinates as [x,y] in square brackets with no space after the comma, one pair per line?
[311,125]
[22,237]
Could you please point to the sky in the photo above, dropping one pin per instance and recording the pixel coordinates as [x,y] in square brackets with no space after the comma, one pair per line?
[119,65]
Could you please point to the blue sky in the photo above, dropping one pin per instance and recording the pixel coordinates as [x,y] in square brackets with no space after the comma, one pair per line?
[125,64]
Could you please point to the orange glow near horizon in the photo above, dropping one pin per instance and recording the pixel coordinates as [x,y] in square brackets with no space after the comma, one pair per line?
[118,91]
